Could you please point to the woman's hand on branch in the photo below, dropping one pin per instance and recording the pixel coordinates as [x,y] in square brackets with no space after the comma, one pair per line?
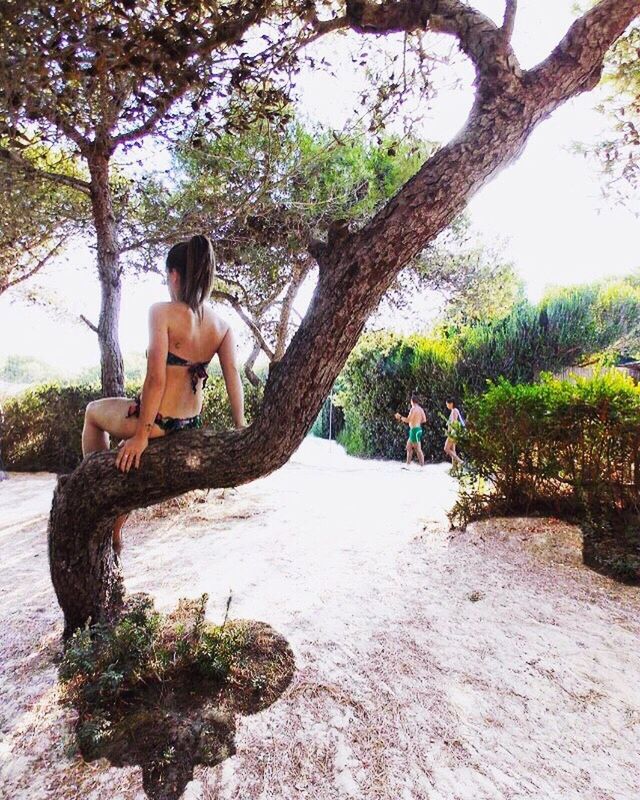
[130,452]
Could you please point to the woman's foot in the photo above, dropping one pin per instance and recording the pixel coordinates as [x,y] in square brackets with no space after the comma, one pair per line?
[117,533]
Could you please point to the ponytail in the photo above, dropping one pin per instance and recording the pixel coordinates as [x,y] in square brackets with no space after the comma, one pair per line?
[196,264]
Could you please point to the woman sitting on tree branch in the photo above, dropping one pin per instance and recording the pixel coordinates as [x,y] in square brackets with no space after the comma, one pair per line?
[184,335]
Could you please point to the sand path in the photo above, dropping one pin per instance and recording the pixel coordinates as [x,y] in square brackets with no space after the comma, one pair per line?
[489,664]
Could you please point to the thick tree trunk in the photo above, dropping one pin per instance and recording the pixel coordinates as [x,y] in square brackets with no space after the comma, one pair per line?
[355,271]
[108,253]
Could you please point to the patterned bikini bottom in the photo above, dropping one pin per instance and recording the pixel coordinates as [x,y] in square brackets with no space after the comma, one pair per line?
[168,424]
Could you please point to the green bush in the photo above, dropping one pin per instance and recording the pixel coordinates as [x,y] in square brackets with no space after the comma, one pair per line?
[42,427]
[105,667]
[378,380]
[567,326]
[565,445]
[570,448]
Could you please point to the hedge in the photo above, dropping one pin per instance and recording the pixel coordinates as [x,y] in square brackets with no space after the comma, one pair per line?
[378,380]
[41,428]
[569,448]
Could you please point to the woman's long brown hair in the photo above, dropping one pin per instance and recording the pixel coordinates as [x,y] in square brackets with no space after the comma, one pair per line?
[195,263]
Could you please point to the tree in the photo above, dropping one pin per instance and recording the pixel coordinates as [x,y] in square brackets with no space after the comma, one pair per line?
[262,195]
[95,78]
[355,270]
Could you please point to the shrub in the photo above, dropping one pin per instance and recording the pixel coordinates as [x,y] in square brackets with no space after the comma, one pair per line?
[378,380]
[42,427]
[570,448]
[162,691]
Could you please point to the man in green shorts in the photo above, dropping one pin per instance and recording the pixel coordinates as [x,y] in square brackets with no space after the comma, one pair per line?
[414,419]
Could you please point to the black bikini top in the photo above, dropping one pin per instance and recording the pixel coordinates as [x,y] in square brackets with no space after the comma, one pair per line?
[197,369]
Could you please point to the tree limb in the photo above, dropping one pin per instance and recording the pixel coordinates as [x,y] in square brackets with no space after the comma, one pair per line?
[478,36]
[88,322]
[27,168]
[30,273]
[217,294]
[575,65]
[511,7]
[253,379]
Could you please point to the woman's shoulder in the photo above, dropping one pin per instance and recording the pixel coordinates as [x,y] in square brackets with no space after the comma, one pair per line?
[160,309]
[215,320]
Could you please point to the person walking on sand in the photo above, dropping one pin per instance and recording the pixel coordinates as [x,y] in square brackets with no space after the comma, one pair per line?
[455,418]
[184,335]
[415,420]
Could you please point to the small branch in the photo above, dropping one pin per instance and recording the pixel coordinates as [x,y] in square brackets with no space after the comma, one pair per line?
[253,379]
[28,169]
[88,322]
[54,251]
[282,328]
[255,330]
[510,10]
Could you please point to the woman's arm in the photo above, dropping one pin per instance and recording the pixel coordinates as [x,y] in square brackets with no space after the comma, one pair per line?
[152,389]
[231,374]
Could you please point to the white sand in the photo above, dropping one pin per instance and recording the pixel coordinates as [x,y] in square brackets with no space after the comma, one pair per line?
[489,664]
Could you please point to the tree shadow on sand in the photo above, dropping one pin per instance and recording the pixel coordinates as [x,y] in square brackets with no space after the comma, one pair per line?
[163,693]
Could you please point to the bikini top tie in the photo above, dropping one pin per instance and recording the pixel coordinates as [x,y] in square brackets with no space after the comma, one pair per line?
[197,369]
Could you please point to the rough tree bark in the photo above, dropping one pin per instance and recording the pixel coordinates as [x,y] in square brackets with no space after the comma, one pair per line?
[355,271]
[111,363]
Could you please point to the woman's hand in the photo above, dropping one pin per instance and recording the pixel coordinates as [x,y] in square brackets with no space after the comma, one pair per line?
[130,452]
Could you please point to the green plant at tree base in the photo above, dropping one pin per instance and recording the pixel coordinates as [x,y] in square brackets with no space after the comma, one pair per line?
[163,691]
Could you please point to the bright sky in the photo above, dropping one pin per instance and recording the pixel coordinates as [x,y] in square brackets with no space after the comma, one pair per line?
[546,208]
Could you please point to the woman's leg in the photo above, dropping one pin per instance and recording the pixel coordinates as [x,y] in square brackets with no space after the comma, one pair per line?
[104,417]
[109,417]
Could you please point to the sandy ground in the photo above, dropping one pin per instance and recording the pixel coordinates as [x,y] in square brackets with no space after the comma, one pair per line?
[430,664]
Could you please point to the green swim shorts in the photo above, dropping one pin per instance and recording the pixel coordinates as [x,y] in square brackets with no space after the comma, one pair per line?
[415,435]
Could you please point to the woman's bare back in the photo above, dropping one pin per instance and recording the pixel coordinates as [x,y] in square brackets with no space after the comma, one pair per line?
[197,341]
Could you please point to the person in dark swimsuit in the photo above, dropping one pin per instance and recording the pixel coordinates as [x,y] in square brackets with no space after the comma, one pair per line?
[172,393]
[198,371]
